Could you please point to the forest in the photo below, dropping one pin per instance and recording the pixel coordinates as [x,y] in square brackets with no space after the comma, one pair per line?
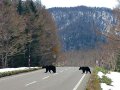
[28,34]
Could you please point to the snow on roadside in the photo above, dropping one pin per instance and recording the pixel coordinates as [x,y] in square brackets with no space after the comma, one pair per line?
[100,74]
[115,77]
[14,69]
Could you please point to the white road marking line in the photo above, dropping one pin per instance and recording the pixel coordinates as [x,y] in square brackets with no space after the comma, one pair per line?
[77,85]
[30,83]
[46,77]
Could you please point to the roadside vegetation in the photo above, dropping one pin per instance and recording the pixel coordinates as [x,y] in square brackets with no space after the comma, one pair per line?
[106,80]
[94,81]
[9,73]
[101,69]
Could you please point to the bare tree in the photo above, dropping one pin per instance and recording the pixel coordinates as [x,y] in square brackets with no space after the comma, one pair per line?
[11,31]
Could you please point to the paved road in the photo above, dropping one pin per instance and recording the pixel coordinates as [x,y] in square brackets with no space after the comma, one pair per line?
[66,78]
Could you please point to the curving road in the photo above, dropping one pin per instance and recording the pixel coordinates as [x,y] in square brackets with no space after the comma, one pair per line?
[66,78]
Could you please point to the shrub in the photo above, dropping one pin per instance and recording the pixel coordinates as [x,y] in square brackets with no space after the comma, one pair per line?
[117,67]
[106,80]
[101,69]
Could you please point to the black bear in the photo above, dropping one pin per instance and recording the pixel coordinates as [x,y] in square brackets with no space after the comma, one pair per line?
[49,68]
[85,69]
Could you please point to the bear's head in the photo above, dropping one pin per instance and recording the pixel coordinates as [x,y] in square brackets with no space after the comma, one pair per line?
[80,68]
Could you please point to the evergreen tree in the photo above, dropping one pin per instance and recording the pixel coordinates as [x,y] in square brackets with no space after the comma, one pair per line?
[19,7]
[41,34]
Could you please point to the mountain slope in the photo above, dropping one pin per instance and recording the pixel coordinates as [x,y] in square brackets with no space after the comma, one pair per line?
[77,26]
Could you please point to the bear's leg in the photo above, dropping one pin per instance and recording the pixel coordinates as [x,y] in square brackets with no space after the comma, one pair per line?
[83,71]
[89,71]
[86,71]
[54,70]
[49,70]
[46,70]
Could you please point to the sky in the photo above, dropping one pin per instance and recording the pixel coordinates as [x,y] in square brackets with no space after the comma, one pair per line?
[71,3]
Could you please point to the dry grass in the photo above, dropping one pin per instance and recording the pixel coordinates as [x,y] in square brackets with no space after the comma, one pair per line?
[93,83]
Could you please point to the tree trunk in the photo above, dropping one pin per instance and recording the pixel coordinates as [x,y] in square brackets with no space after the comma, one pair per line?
[6,60]
[3,63]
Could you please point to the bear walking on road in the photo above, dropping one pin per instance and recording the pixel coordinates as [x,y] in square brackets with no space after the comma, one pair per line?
[85,69]
[50,68]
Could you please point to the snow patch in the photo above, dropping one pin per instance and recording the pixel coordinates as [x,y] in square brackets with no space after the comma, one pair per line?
[100,74]
[14,69]
[115,77]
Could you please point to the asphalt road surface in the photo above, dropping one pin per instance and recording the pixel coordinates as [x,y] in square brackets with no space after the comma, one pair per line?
[66,78]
